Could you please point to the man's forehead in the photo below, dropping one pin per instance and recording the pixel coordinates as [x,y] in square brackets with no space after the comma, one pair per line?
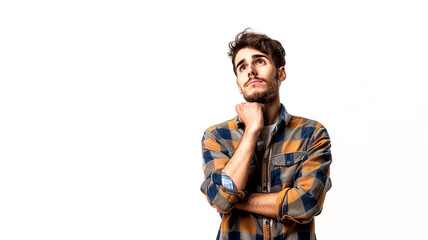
[248,53]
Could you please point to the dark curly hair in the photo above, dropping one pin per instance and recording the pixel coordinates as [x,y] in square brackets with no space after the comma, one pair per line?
[260,42]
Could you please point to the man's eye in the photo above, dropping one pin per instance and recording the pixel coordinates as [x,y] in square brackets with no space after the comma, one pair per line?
[242,68]
[260,61]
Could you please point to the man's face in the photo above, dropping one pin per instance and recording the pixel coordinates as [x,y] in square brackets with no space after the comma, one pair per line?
[257,77]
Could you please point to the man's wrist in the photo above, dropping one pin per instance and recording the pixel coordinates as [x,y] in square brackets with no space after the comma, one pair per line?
[253,131]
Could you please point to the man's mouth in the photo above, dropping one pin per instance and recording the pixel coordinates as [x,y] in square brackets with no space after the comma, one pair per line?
[254,81]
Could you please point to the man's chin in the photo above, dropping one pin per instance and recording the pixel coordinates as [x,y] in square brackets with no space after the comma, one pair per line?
[258,98]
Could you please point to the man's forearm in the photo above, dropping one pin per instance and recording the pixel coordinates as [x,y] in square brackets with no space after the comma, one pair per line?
[238,166]
[260,203]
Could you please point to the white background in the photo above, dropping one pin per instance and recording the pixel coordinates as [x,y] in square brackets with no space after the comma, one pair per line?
[103,105]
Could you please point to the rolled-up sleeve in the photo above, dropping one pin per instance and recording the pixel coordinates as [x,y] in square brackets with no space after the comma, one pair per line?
[215,157]
[302,202]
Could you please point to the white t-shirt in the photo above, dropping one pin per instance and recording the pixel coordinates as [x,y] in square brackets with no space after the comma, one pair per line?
[267,133]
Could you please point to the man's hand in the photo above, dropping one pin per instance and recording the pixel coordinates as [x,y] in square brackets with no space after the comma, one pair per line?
[251,114]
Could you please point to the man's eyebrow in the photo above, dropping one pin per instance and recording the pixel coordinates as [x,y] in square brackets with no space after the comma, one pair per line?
[239,63]
[253,56]
[258,56]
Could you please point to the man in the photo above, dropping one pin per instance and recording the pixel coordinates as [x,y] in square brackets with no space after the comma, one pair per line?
[266,171]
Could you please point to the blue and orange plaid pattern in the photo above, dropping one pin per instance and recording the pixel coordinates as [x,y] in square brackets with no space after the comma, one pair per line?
[295,164]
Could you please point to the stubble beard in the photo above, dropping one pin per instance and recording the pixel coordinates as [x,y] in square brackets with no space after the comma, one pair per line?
[264,96]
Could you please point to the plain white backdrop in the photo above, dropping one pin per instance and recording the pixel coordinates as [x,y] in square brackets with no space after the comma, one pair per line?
[103,105]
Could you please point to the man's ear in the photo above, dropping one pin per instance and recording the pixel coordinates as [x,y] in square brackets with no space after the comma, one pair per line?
[281,74]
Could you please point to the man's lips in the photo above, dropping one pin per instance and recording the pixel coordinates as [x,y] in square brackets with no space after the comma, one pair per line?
[254,81]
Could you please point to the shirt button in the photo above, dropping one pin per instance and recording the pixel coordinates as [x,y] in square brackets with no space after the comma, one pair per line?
[267,222]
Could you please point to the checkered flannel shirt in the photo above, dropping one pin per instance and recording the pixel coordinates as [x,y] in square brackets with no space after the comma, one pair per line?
[295,164]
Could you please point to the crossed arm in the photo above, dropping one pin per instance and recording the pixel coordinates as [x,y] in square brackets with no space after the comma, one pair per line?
[238,166]
[260,203]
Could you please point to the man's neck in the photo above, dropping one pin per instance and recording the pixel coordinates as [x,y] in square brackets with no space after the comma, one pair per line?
[272,112]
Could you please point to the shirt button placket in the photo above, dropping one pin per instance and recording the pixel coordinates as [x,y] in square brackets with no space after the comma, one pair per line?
[266,234]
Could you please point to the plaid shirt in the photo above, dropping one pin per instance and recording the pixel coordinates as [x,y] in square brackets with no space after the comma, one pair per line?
[295,164]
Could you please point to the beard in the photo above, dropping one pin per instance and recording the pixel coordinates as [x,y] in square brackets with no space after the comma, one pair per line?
[264,96]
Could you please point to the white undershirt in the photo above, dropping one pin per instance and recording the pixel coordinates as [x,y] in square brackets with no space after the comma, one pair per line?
[267,133]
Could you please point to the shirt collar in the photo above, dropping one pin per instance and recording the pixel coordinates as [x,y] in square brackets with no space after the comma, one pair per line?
[284,118]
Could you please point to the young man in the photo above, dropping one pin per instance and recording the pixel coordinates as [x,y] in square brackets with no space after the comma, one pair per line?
[266,171]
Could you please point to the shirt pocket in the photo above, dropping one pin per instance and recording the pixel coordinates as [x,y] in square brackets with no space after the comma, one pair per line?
[284,167]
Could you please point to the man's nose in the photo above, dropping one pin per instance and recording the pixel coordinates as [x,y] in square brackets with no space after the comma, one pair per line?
[252,71]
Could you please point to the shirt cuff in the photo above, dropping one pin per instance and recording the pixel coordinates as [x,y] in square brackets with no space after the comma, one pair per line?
[227,182]
[226,192]
[224,180]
